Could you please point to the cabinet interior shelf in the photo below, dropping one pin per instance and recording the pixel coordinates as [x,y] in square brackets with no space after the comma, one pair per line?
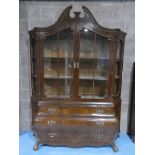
[82,96]
[93,78]
[80,77]
[58,96]
[81,58]
[92,97]
[58,57]
[56,77]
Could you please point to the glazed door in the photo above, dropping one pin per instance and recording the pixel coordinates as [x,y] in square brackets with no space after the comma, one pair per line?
[58,64]
[118,68]
[93,65]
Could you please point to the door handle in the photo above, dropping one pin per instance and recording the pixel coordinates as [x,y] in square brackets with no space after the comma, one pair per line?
[77,65]
[74,64]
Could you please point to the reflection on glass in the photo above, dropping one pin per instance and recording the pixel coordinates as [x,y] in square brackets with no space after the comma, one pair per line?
[102,65]
[94,63]
[33,56]
[58,60]
[102,47]
[118,69]
[86,62]
[34,67]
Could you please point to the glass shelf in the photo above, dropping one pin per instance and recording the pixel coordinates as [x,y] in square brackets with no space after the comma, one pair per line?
[83,58]
[58,96]
[57,77]
[49,57]
[92,97]
[93,78]
[93,58]
[81,77]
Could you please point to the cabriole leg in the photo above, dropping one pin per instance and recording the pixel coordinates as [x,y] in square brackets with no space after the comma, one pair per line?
[35,147]
[114,147]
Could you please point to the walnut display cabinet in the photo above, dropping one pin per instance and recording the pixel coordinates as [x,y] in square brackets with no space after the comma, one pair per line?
[76,70]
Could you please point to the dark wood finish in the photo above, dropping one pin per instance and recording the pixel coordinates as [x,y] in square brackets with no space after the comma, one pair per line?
[131,113]
[74,120]
[76,111]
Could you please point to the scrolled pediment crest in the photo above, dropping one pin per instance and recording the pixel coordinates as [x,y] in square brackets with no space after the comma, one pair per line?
[75,20]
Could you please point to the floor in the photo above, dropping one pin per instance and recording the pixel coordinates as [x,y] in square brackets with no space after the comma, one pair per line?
[124,143]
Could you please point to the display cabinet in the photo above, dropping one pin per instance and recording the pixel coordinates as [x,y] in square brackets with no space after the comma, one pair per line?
[76,70]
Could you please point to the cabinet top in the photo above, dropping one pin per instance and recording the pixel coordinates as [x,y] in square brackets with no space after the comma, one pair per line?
[76,23]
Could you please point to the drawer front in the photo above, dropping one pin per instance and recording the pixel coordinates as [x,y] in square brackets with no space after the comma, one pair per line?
[76,124]
[72,110]
[75,140]
[77,132]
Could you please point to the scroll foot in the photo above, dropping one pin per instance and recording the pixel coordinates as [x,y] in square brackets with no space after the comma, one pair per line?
[114,147]
[35,147]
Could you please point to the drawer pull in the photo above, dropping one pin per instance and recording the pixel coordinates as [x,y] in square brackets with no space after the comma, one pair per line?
[100,123]
[52,134]
[99,135]
[52,110]
[99,111]
[51,123]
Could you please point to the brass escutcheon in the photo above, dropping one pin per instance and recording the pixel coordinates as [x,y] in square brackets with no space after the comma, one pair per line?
[52,134]
[51,122]
[99,111]
[99,135]
[51,109]
[100,123]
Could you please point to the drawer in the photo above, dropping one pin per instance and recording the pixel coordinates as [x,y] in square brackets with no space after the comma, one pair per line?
[76,134]
[76,124]
[77,110]
[75,140]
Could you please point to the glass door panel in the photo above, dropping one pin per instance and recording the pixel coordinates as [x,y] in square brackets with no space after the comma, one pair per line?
[93,65]
[86,64]
[34,68]
[101,66]
[58,60]
[118,68]
[65,63]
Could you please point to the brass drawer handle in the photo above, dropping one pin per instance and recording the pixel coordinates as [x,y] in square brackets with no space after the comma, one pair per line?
[99,111]
[51,110]
[100,123]
[99,135]
[52,134]
[51,123]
